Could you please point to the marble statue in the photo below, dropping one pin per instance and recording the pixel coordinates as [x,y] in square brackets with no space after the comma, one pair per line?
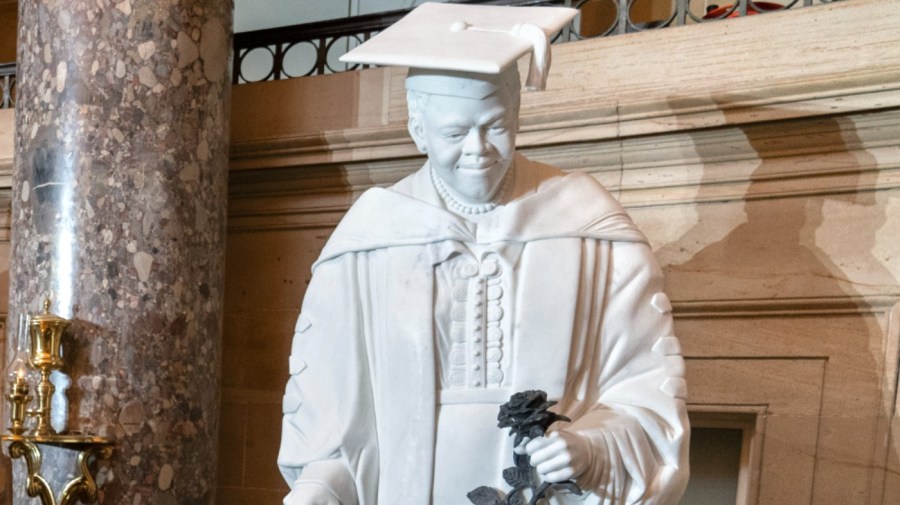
[481,275]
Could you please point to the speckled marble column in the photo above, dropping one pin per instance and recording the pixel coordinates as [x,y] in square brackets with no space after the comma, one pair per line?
[119,215]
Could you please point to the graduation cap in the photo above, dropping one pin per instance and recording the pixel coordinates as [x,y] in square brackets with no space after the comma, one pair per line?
[466,50]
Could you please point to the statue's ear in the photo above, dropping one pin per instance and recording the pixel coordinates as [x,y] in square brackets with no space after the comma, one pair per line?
[417,132]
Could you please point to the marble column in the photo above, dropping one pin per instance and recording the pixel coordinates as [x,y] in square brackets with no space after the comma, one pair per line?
[119,216]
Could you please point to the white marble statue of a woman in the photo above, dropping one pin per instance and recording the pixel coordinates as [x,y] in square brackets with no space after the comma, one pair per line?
[481,275]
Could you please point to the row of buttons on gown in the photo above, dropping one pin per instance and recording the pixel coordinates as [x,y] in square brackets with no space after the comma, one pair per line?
[477,351]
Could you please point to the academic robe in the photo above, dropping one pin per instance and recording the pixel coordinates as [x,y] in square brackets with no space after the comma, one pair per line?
[593,330]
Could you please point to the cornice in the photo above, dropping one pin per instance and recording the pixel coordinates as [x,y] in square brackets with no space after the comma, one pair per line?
[576,123]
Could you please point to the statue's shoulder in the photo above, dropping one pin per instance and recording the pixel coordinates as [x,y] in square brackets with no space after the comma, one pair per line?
[416,185]
[395,197]
[550,180]
[372,200]
[408,184]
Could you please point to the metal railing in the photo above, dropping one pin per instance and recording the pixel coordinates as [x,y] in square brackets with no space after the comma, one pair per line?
[314,48]
[7,85]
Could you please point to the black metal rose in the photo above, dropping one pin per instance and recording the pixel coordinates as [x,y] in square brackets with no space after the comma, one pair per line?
[526,414]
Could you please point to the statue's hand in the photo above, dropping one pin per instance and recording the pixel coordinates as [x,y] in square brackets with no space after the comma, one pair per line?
[311,494]
[560,456]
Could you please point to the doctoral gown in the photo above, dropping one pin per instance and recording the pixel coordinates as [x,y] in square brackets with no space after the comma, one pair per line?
[590,325]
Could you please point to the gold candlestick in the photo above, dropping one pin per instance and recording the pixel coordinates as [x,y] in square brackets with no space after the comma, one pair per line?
[19,376]
[18,399]
[46,334]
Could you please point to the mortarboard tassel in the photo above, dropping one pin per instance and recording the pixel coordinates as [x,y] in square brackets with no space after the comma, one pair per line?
[540,55]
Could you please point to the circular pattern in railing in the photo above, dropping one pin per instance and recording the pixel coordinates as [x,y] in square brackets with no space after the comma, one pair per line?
[9,95]
[256,64]
[336,48]
[299,59]
[596,18]
[7,91]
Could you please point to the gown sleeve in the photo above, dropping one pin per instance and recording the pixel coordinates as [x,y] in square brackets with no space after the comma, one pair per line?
[638,423]
[327,430]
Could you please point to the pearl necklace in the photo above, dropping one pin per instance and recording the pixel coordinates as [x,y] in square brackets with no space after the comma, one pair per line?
[481,208]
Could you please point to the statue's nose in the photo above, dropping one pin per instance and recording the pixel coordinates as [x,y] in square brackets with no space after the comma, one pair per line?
[475,142]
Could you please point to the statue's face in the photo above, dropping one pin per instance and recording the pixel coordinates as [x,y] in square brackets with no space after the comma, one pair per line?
[470,143]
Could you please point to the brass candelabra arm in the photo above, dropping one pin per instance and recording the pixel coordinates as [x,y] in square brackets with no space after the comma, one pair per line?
[36,485]
[82,488]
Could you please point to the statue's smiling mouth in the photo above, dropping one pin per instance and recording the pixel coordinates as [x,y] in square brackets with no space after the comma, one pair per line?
[477,167]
